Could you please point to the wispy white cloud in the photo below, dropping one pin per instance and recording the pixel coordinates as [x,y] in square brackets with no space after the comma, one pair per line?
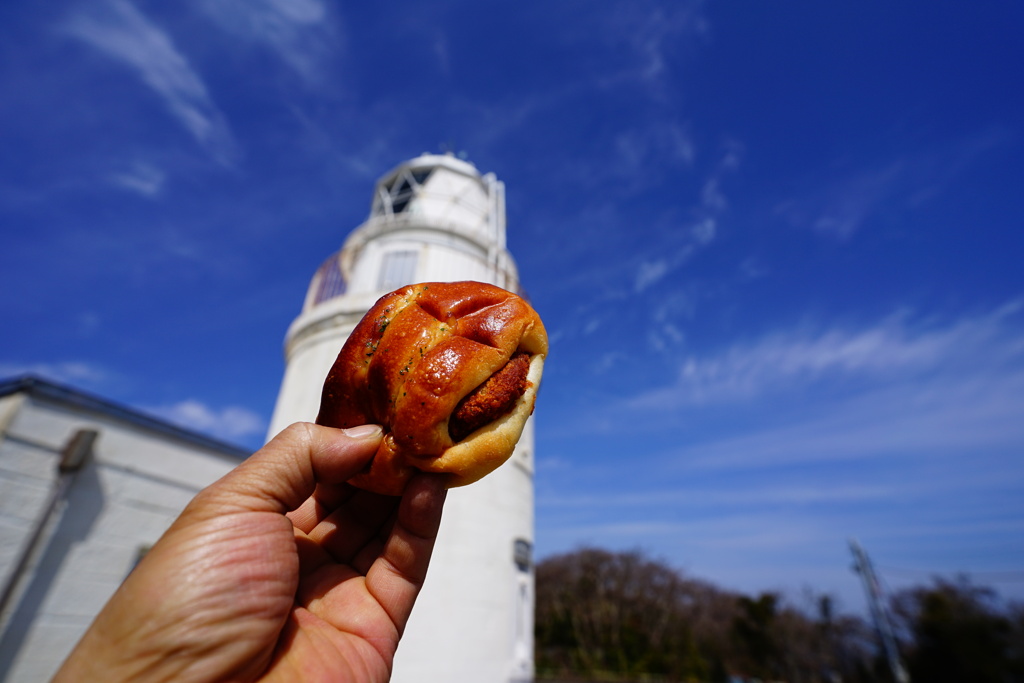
[650,272]
[838,202]
[666,331]
[952,415]
[304,34]
[648,33]
[694,497]
[231,422]
[718,541]
[631,160]
[893,348]
[902,389]
[701,228]
[443,54]
[840,208]
[119,30]
[77,373]
[704,230]
[640,35]
[141,178]
[664,143]
[935,406]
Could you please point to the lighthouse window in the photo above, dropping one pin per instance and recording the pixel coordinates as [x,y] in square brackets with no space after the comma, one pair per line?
[522,554]
[402,188]
[399,203]
[421,175]
[329,280]
[396,269]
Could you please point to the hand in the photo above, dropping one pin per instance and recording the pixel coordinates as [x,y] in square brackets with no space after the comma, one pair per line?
[278,571]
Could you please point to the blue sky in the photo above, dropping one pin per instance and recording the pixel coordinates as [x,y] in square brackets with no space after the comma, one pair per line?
[777,247]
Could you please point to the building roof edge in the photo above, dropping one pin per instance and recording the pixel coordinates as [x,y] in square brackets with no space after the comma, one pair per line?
[38,387]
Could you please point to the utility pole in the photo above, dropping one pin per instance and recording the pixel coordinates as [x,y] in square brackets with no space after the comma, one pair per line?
[873,590]
[73,457]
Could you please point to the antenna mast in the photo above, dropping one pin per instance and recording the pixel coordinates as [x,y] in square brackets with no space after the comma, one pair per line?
[873,590]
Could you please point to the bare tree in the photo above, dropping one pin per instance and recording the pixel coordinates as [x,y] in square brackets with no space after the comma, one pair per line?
[607,615]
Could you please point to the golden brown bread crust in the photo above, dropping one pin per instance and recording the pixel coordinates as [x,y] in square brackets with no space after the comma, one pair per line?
[415,355]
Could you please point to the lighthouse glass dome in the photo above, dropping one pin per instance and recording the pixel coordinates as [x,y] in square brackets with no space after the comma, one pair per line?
[437,188]
[431,217]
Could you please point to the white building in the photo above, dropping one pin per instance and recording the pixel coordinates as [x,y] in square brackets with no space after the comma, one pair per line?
[434,218]
[86,487]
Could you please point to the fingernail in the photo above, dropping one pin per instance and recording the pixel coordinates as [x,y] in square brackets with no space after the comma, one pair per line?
[363,431]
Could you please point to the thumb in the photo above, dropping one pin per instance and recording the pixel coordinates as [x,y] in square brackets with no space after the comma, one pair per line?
[285,472]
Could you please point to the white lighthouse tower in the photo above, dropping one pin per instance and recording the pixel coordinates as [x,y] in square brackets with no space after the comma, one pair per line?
[435,218]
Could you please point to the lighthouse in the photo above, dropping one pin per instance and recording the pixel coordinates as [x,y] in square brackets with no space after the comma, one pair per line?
[434,218]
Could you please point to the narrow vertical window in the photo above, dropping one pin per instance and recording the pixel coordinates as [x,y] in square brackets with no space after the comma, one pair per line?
[522,615]
[396,269]
[522,645]
[329,281]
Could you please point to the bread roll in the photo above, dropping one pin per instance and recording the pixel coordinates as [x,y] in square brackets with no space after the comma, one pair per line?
[449,369]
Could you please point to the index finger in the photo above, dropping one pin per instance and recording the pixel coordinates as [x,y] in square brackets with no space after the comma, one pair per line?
[396,576]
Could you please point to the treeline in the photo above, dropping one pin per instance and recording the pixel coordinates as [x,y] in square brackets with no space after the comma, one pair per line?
[623,616]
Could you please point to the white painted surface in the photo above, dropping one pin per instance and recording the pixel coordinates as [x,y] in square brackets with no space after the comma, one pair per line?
[122,500]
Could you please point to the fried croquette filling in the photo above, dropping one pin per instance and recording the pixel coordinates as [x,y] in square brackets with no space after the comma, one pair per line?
[492,399]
